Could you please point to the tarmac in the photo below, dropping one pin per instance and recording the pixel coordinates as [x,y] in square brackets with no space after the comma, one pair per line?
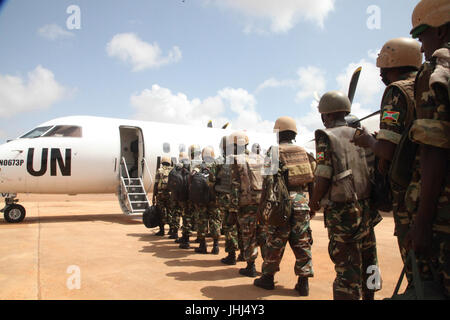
[83,248]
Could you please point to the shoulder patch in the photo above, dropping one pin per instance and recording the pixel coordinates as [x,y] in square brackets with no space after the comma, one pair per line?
[320,156]
[390,116]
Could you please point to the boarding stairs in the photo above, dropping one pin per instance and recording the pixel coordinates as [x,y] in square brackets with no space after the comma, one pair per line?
[132,194]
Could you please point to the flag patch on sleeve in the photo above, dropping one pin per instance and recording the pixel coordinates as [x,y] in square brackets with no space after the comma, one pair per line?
[390,116]
[320,156]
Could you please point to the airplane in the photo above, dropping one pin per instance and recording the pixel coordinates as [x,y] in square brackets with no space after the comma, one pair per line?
[97,155]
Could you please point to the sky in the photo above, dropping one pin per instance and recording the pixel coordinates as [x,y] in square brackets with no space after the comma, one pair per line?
[246,62]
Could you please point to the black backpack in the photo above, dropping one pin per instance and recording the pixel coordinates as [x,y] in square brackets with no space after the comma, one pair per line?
[178,183]
[151,217]
[199,191]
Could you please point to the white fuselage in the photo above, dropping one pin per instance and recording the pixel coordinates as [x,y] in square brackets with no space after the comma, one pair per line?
[90,163]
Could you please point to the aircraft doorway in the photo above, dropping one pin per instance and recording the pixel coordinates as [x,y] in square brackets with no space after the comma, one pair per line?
[132,150]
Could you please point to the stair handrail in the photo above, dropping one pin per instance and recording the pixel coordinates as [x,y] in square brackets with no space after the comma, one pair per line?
[126,168]
[149,173]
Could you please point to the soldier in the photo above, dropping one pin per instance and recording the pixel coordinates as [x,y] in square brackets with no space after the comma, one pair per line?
[246,193]
[223,190]
[184,206]
[342,186]
[429,192]
[161,193]
[296,230]
[208,213]
[399,60]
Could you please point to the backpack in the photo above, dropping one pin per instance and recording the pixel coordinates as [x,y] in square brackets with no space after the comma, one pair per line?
[276,206]
[199,191]
[178,184]
[163,178]
[250,173]
[151,217]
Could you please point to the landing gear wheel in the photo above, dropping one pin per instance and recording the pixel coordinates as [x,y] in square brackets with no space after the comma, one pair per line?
[14,213]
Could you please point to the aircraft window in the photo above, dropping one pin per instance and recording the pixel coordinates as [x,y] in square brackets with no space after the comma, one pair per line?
[64,131]
[166,147]
[35,133]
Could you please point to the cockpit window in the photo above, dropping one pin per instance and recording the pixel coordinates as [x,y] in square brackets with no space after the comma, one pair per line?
[35,133]
[64,131]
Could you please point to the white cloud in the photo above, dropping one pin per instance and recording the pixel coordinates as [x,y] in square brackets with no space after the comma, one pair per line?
[39,92]
[129,48]
[310,79]
[283,14]
[54,32]
[160,104]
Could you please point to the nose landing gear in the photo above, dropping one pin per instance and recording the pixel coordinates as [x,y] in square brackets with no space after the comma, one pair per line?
[13,212]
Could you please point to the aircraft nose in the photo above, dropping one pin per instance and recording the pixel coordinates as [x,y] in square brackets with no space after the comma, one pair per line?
[12,164]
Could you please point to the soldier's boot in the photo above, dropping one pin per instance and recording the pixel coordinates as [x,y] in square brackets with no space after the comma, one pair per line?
[202,247]
[240,257]
[249,271]
[230,259]
[184,243]
[161,231]
[302,286]
[266,282]
[215,248]
[174,234]
[368,295]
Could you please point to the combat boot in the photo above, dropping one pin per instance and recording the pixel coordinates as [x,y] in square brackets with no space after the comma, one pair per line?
[302,286]
[161,231]
[249,271]
[230,259]
[368,295]
[265,282]
[184,243]
[174,234]
[240,257]
[202,247]
[215,248]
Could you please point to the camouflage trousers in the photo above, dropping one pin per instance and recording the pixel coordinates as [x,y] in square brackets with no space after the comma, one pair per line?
[208,215]
[352,248]
[441,253]
[253,233]
[165,207]
[298,233]
[232,232]
[175,215]
[402,223]
[187,217]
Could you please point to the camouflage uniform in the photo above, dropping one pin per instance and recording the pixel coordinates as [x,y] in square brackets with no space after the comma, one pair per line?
[352,246]
[163,197]
[233,239]
[208,214]
[432,128]
[397,113]
[298,232]
[246,215]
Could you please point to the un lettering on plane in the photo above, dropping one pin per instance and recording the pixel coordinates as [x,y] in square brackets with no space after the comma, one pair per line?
[56,158]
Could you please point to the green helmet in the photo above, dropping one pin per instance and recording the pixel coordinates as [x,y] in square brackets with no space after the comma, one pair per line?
[334,101]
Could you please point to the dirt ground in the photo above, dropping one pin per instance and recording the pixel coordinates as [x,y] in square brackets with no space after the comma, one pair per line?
[83,247]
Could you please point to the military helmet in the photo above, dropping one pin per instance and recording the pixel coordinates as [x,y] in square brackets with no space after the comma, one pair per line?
[166,159]
[194,150]
[285,124]
[208,152]
[352,121]
[400,52]
[239,138]
[334,101]
[183,156]
[429,13]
